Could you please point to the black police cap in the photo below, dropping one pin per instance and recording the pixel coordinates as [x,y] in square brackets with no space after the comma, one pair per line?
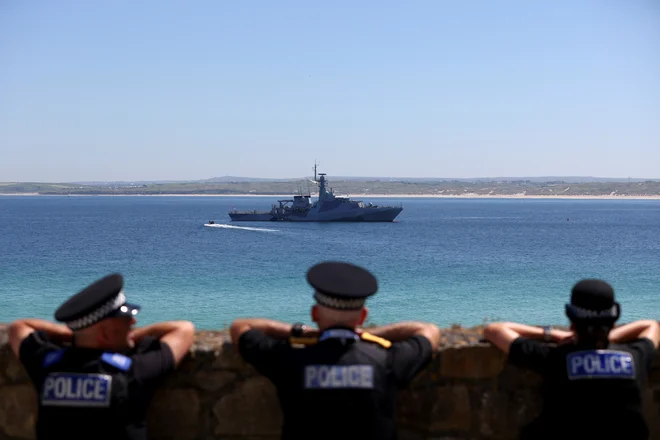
[102,299]
[593,300]
[342,286]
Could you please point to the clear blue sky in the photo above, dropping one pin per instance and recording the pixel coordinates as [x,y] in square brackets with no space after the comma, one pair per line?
[145,90]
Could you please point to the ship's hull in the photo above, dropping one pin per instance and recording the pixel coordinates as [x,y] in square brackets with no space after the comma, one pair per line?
[251,216]
[384,214]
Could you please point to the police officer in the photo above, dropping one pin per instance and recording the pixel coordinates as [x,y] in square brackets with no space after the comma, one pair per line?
[95,375]
[337,381]
[593,377]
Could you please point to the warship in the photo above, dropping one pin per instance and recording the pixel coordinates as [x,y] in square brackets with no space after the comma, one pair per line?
[328,208]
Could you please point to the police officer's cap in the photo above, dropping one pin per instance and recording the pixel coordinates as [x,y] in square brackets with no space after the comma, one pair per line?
[342,286]
[592,300]
[102,299]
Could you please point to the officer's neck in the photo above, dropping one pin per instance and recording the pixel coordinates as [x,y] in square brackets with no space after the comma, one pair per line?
[336,327]
[591,344]
[93,344]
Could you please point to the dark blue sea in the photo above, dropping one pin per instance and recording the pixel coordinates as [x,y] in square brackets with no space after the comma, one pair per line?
[446,261]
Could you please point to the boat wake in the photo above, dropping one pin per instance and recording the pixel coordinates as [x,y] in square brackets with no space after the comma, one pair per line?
[245,228]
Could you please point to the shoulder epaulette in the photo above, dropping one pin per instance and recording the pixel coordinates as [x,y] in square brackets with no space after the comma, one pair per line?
[378,340]
[302,341]
[117,360]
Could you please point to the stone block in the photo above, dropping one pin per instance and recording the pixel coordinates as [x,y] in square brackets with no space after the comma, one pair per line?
[188,365]
[175,413]
[450,409]
[471,362]
[214,380]
[4,335]
[652,411]
[18,410]
[251,409]
[412,411]
[429,376]
[514,378]
[15,371]
[229,359]
[501,414]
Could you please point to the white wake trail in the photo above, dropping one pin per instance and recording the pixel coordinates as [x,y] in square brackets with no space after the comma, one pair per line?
[244,228]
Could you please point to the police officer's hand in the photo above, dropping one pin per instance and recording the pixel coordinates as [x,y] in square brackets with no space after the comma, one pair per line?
[562,337]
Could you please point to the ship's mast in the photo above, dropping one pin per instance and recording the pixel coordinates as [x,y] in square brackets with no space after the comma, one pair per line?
[322,192]
[321,182]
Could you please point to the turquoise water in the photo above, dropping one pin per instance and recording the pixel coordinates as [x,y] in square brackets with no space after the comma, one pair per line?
[445,260]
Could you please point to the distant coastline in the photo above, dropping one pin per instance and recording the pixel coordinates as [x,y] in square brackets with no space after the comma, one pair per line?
[514,189]
[367,196]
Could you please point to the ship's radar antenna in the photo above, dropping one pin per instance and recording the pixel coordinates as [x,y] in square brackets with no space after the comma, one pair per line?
[315,165]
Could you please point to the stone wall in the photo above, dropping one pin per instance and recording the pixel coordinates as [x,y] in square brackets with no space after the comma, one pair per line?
[468,392]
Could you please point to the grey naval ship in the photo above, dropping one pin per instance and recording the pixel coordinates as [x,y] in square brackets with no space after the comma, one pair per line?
[328,208]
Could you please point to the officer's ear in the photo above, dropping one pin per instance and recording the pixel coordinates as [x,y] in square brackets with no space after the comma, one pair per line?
[363,315]
[315,313]
[103,332]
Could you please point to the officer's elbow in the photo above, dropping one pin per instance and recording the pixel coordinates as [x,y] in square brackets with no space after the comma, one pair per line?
[499,335]
[17,331]
[184,334]
[491,331]
[430,332]
[189,333]
[13,328]
[180,340]
[652,332]
[652,324]
[434,336]
[187,329]
[237,328]
[14,331]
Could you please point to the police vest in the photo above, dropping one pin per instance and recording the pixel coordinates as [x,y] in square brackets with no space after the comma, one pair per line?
[594,394]
[79,393]
[337,387]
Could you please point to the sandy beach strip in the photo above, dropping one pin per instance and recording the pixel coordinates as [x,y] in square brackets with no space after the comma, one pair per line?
[367,196]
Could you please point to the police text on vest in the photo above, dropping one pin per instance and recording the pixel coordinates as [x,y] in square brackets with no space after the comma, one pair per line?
[75,389]
[597,364]
[339,376]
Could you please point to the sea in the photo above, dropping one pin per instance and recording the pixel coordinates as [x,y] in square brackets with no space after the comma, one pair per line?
[447,261]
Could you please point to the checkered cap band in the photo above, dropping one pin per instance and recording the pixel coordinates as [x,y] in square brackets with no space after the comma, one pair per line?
[580,312]
[335,303]
[98,314]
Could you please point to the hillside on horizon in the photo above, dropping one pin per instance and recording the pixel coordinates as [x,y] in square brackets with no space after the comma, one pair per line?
[576,179]
[242,179]
[353,186]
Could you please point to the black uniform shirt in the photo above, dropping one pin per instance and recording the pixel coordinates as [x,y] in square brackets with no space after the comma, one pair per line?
[132,387]
[338,388]
[588,393]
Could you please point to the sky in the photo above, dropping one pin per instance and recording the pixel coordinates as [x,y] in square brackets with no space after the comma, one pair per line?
[174,90]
